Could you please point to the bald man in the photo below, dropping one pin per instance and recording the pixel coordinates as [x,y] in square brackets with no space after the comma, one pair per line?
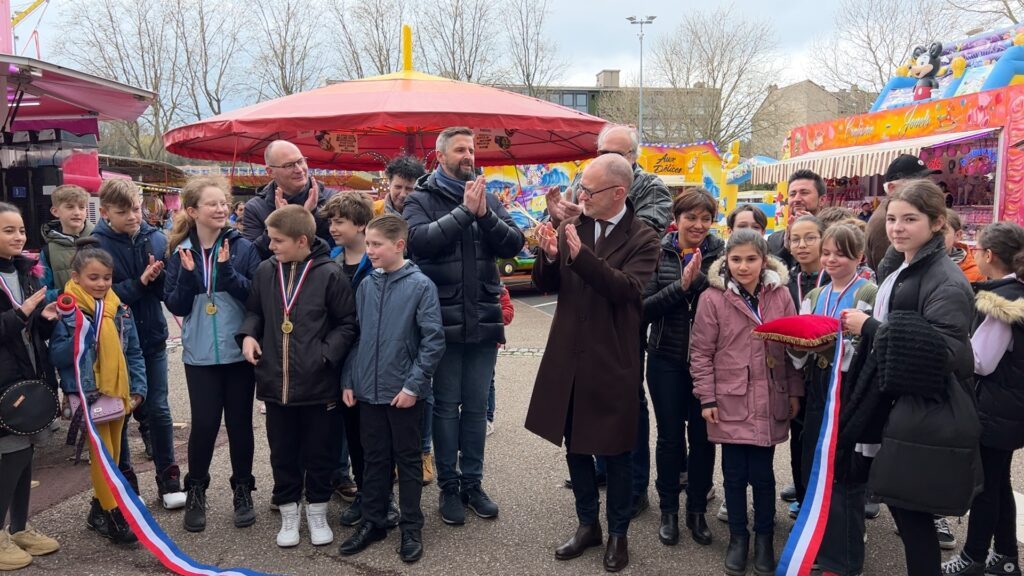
[585,392]
[291,184]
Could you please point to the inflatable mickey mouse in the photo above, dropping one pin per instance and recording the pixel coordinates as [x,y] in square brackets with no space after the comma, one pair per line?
[924,67]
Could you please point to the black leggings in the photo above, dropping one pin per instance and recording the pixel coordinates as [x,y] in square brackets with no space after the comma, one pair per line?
[920,543]
[15,488]
[213,391]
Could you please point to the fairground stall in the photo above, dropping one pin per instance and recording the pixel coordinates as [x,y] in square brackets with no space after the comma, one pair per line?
[51,125]
[960,108]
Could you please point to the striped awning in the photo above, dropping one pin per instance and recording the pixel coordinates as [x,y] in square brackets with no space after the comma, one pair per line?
[856,160]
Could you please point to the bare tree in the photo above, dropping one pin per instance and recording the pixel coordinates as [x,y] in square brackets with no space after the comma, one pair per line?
[991,12]
[721,65]
[288,52]
[533,56]
[871,38]
[129,42]
[212,36]
[459,39]
[371,36]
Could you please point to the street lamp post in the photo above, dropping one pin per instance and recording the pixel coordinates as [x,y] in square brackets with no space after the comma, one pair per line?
[641,22]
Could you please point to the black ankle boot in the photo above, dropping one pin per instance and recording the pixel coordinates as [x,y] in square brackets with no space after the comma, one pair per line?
[195,506]
[668,533]
[736,555]
[764,554]
[698,526]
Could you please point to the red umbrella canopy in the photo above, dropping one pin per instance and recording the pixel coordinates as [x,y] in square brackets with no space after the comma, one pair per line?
[360,124]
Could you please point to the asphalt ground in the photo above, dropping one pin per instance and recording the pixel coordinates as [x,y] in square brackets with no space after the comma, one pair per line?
[523,474]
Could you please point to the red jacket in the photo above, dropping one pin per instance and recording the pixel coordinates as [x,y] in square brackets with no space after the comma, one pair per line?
[750,380]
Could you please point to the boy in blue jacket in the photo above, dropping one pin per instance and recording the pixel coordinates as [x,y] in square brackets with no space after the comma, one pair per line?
[139,250]
[388,375]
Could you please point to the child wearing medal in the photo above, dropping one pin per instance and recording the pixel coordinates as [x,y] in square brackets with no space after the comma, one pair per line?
[748,391]
[842,247]
[209,272]
[299,326]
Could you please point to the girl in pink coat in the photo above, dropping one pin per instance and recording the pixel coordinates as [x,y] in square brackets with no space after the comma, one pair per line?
[747,388]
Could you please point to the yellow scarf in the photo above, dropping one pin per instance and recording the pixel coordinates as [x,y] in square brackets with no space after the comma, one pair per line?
[110,367]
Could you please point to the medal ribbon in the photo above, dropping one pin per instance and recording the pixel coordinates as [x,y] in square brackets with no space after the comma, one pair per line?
[830,311]
[210,269]
[289,303]
[10,294]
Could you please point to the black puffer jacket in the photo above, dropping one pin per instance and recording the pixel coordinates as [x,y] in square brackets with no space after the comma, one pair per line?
[934,287]
[303,367]
[457,251]
[1001,393]
[668,308]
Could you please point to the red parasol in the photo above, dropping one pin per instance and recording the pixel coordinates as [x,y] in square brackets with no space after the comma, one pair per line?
[360,124]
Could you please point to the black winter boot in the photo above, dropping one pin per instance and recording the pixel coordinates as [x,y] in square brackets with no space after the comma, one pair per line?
[736,555]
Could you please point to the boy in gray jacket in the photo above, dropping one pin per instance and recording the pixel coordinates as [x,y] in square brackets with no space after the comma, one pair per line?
[401,342]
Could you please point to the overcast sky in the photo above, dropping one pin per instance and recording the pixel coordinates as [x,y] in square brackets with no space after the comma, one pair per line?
[594,35]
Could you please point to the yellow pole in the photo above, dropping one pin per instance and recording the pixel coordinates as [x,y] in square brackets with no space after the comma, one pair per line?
[406,48]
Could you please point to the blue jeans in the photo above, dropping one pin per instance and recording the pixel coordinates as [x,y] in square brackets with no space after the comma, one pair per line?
[742,465]
[490,402]
[460,413]
[158,411]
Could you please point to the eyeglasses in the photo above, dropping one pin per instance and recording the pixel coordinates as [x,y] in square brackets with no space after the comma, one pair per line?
[300,163]
[804,240]
[591,193]
[603,152]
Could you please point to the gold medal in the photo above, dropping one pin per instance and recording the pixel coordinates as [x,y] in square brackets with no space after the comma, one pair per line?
[211,308]
[822,362]
[771,361]
[287,326]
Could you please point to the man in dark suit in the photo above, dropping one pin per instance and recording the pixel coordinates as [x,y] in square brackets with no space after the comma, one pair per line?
[585,392]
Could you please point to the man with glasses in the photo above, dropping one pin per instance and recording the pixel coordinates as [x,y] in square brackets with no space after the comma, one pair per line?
[904,167]
[291,184]
[585,392]
[652,204]
[651,198]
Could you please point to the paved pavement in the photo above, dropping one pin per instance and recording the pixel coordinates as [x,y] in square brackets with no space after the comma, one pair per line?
[523,474]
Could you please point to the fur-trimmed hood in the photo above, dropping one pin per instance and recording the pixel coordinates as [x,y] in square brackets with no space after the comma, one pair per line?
[774,274]
[995,306]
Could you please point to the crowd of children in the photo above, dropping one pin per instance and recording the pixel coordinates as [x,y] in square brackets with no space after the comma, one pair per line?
[341,345]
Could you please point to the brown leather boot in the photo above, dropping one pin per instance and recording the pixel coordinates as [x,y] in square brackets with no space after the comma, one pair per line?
[585,537]
[616,556]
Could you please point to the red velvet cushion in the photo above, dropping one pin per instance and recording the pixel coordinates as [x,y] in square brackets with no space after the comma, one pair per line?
[805,331]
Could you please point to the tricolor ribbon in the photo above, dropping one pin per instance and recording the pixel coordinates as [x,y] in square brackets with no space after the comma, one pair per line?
[209,270]
[134,511]
[805,539]
[289,302]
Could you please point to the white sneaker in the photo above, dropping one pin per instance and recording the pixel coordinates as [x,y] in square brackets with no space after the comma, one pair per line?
[319,530]
[490,428]
[723,513]
[173,500]
[289,534]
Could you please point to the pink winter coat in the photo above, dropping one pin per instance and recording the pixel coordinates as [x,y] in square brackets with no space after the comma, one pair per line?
[750,380]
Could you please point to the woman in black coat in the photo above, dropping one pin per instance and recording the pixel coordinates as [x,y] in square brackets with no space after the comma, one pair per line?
[921,292]
[670,304]
[998,343]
